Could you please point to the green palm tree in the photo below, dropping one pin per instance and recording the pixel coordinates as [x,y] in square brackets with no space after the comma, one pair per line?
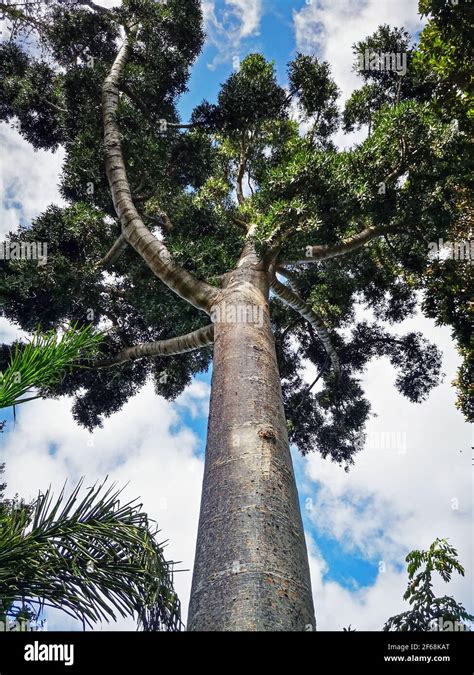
[89,555]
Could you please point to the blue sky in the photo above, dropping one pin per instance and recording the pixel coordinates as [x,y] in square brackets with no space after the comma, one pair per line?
[360,524]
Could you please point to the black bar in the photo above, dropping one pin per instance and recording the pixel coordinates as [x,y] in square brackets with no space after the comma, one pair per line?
[117,652]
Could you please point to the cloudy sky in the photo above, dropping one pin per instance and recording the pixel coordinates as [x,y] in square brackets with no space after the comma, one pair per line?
[411,483]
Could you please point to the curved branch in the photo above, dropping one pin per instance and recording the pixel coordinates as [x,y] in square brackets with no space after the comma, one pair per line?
[325,252]
[294,301]
[177,345]
[114,253]
[153,251]
[291,277]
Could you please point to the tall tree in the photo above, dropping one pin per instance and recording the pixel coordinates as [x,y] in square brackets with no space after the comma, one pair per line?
[238,231]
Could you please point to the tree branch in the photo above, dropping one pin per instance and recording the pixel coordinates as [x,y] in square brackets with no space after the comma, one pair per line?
[13,13]
[290,276]
[156,255]
[97,8]
[294,301]
[178,345]
[114,253]
[325,252]
[240,175]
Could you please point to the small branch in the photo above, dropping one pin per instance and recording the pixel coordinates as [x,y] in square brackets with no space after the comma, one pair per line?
[11,12]
[114,253]
[294,301]
[178,345]
[313,384]
[326,252]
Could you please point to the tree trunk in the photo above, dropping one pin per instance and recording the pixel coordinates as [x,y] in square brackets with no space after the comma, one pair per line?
[251,568]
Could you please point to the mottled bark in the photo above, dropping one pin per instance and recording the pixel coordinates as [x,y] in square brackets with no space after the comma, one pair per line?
[293,300]
[251,568]
[153,251]
[178,345]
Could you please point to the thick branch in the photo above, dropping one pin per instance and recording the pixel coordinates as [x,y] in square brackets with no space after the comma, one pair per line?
[294,301]
[178,345]
[291,276]
[154,252]
[238,188]
[325,252]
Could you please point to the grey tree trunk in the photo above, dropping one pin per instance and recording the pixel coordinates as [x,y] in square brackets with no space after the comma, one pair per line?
[251,568]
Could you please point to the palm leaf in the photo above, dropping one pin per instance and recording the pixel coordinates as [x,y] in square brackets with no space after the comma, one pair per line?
[92,557]
[44,360]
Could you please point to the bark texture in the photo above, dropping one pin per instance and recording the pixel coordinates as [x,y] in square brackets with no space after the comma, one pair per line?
[251,568]
[293,300]
[153,251]
[178,345]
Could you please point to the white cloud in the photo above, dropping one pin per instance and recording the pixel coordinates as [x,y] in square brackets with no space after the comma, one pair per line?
[28,177]
[410,485]
[329,28]
[367,608]
[9,332]
[228,28]
[144,445]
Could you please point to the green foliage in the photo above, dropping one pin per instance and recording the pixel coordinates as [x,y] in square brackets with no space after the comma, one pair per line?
[248,99]
[300,190]
[43,361]
[429,612]
[88,555]
[446,50]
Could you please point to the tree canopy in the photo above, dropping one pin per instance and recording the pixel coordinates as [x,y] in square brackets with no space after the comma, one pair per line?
[341,230]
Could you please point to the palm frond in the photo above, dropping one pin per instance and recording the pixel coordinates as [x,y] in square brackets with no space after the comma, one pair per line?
[44,360]
[90,556]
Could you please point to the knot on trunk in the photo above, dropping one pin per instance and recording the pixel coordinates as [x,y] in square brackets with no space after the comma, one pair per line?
[268,434]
